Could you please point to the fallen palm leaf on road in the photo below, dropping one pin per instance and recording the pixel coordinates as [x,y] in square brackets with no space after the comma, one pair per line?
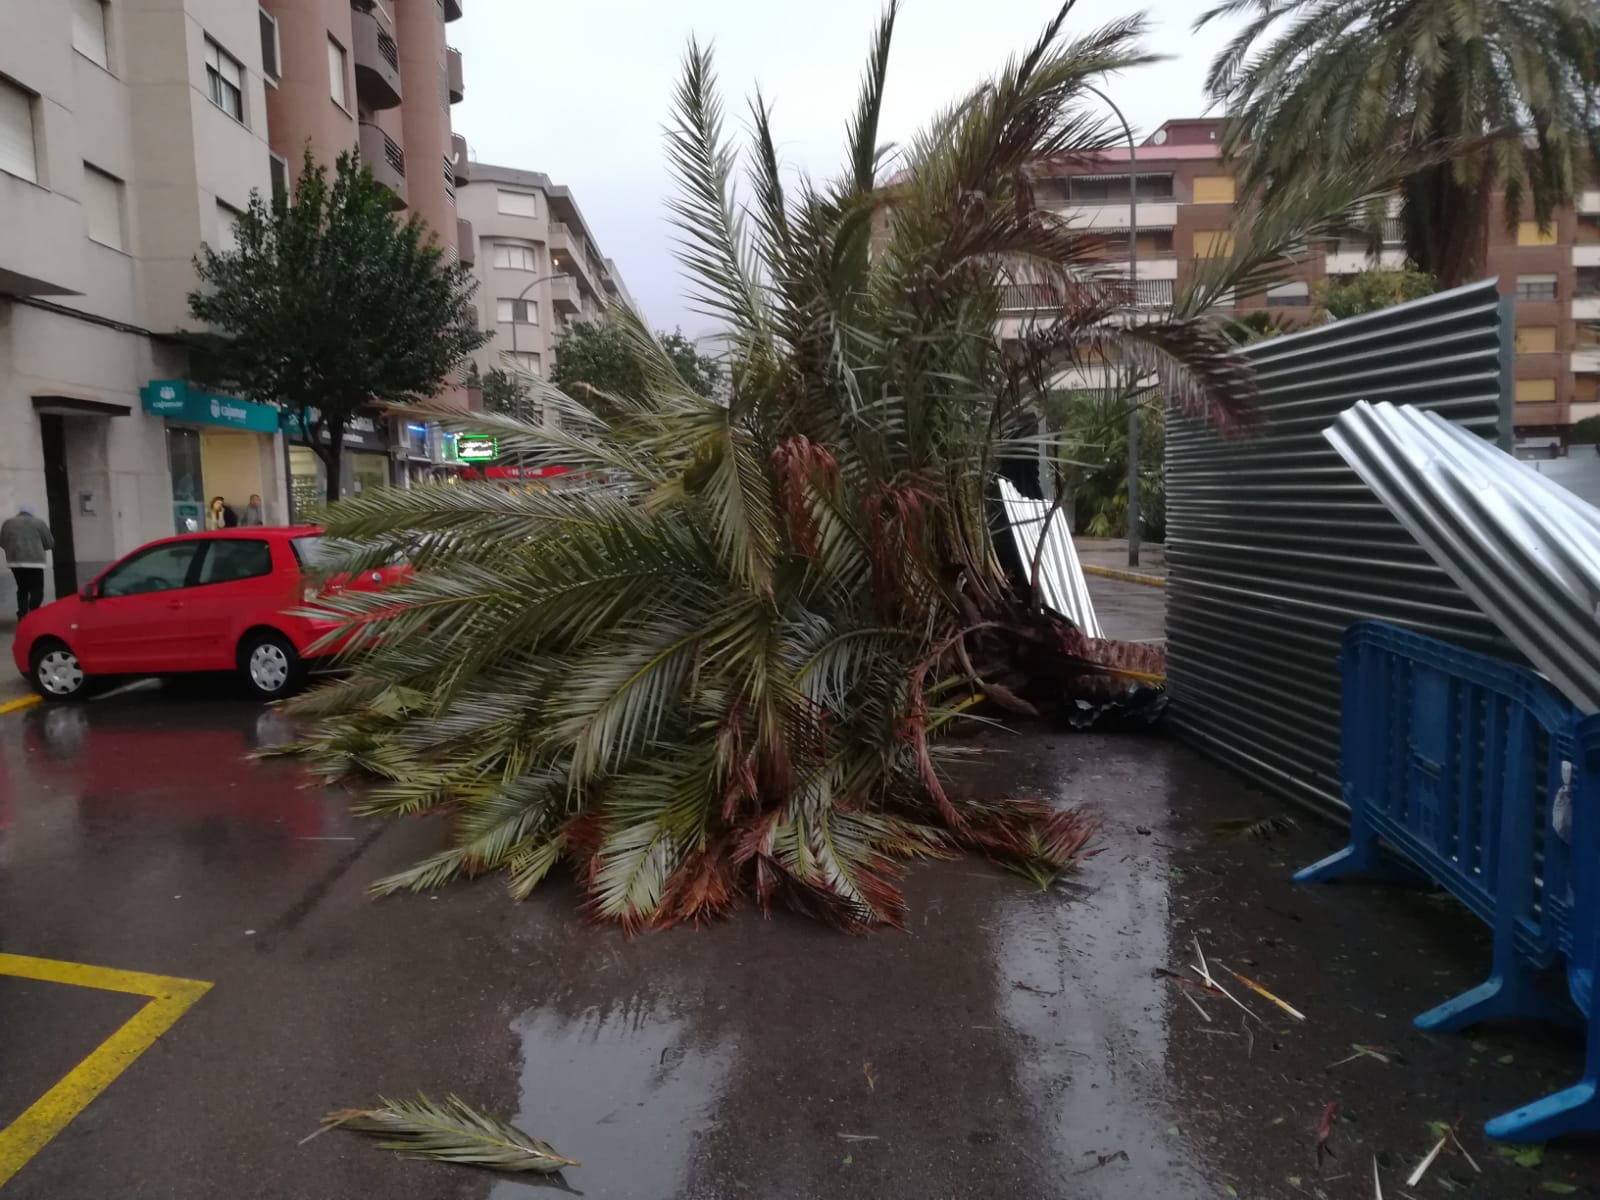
[1262,992]
[451,1132]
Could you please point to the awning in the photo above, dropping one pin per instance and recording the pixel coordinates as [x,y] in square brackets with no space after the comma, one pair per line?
[176,400]
[77,406]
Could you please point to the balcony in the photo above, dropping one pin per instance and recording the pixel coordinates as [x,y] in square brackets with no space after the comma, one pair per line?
[1586,255]
[564,296]
[459,159]
[1589,203]
[1353,262]
[452,65]
[1586,308]
[41,241]
[1035,297]
[1586,362]
[1158,215]
[452,10]
[377,60]
[387,160]
[466,242]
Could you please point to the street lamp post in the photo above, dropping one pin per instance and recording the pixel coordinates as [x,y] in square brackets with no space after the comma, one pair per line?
[1133,280]
[523,295]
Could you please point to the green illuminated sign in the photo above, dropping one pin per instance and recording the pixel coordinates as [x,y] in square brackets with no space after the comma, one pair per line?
[477,447]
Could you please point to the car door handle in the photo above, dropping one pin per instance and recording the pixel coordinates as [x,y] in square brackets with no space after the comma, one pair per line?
[174,604]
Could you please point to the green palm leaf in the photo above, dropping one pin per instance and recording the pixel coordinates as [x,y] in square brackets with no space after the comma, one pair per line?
[451,1132]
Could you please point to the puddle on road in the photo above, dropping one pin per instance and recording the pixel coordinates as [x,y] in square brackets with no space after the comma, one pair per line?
[626,1089]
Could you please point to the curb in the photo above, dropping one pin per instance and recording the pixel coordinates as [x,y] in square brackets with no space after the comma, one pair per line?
[17,705]
[1126,576]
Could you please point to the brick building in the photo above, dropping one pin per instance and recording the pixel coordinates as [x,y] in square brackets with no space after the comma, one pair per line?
[1186,196]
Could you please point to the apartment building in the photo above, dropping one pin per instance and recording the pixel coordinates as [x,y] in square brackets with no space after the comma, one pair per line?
[538,264]
[131,131]
[1186,196]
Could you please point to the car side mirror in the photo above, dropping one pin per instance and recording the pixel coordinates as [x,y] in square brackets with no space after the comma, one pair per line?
[90,591]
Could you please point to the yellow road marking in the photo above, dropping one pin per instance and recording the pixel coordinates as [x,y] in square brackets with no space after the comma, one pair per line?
[1125,576]
[169,999]
[20,703]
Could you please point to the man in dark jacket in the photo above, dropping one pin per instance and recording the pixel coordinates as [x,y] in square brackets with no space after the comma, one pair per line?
[26,540]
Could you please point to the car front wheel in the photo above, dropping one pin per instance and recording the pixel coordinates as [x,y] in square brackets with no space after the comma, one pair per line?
[57,674]
[270,667]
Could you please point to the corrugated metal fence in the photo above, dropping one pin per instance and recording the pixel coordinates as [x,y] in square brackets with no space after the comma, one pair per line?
[1274,545]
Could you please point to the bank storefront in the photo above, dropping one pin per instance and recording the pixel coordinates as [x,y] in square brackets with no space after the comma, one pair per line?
[218,446]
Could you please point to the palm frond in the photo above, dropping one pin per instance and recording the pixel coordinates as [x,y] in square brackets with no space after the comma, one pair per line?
[451,1132]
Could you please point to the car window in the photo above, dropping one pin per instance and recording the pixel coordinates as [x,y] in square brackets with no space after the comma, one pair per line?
[159,569]
[311,551]
[228,560]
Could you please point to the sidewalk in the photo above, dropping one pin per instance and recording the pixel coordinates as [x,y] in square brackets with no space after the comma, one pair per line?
[1112,554]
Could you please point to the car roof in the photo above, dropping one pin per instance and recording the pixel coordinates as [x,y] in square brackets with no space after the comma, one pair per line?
[248,531]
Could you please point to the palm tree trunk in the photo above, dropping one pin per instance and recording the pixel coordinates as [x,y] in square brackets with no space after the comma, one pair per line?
[1447,224]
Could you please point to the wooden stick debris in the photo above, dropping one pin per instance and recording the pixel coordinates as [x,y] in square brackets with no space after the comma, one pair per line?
[1224,991]
[1261,991]
[1422,1167]
[1205,967]
[1185,994]
[1377,1185]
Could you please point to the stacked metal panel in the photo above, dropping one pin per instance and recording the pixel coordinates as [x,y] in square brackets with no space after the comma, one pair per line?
[1525,549]
[1061,579]
[1275,546]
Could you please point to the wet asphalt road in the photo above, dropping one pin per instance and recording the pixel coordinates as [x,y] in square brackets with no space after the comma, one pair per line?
[1003,1046]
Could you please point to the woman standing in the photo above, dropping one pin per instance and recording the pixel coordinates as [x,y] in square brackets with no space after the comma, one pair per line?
[219,515]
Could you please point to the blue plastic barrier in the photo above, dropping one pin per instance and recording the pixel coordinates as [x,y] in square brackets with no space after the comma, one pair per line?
[1468,769]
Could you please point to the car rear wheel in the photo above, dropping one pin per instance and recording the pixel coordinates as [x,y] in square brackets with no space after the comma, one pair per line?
[270,667]
[57,674]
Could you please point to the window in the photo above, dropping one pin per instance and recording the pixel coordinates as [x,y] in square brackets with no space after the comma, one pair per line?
[229,560]
[518,204]
[1289,295]
[508,256]
[1536,391]
[16,133]
[1536,287]
[225,78]
[102,207]
[517,312]
[1117,189]
[159,569]
[278,169]
[1536,339]
[271,47]
[1213,244]
[1529,234]
[336,73]
[1214,189]
[1587,281]
[227,228]
[89,30]
[526,361]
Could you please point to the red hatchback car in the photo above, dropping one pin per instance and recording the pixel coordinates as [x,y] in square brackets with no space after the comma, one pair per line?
[199,602]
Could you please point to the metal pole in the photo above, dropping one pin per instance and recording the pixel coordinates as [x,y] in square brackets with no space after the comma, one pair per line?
[522,295]
[1133,282]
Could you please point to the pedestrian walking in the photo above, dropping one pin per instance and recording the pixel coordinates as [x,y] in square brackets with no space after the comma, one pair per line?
[254,514]
[26,540]
[219,515]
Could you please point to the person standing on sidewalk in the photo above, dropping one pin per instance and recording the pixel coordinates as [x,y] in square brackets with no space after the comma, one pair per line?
[26,540]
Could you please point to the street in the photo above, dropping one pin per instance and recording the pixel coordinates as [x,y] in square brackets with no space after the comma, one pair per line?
[1003,1045]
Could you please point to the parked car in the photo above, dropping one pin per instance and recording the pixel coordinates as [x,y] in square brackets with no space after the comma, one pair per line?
[200,602]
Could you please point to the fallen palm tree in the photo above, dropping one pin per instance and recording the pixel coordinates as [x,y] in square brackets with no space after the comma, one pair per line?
[720,665]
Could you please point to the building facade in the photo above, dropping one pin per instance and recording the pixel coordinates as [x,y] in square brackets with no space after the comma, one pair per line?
[538,265]
[1186,197]
[132,131]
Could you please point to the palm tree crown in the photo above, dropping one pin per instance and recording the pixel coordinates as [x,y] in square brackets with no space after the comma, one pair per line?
[1486,95]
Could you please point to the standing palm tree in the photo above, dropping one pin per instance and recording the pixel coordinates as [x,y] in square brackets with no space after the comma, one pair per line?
[719,664]
[1487,94]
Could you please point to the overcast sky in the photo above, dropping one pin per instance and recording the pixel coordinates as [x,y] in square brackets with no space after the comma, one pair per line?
[580,91]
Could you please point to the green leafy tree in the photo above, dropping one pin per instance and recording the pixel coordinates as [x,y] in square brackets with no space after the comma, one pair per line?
[509,395]
[1368,291]
[1092,425]
[719,667]
[599,355]
[1480,94]
[329,304]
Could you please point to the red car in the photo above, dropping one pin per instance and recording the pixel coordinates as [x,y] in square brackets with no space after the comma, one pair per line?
[200,602]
